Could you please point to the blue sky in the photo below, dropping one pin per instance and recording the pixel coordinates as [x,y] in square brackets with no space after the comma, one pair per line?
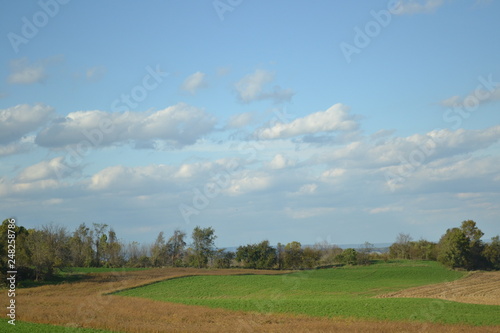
[280,120]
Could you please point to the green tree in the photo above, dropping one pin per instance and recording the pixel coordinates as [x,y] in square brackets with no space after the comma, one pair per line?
[114,251]
[348,257]
[203,245]
[280,255]
[310,257]
[259,256]
[80,246]
[492,252]
[364,253]
[49,248]
[223,258]
[475,258]
[293,255]
[22,253]
[454,248]
[423,249]
[401,247]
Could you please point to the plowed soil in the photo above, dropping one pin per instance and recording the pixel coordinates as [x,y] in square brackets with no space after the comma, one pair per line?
[86,304]
[476,288]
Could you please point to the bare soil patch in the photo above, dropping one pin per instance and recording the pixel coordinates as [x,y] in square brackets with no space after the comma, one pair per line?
[85,304]
[476,288]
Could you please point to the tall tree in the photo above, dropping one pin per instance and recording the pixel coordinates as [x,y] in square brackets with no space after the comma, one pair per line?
[49,248]
[492,252]
[475,259]
[203,245]
[454,248]
[176,247]
[159,251]
[293,255]
[99,238]
[81,247]
[401,247]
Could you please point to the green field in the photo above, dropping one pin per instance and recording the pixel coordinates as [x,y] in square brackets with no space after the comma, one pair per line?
[24,327]
[343,292]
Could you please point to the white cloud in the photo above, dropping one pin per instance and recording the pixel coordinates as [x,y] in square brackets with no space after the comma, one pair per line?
[307,189]
[336,118]
[473,99]
[280,162]
[194,82]
[251,88]
[417,7]
[25,73]
[20,120]
[41,170]
[246,182]
[415,149]
[177,125]
[138,179]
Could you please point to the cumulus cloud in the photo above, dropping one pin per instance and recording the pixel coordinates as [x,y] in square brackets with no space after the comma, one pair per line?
[177,125]
[336,118]
[42,170]
[194,82]
[414,149]
[20,120]
[251,88]
[407,7]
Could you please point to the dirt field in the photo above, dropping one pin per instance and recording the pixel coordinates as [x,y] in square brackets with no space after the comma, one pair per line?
[477,288]
[83,304]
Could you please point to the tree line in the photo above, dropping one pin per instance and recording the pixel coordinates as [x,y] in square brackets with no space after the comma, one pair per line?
[41,252]
[460,247]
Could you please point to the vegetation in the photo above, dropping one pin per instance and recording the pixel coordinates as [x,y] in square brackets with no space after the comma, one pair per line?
[40,253]
[340,292]
[24,327]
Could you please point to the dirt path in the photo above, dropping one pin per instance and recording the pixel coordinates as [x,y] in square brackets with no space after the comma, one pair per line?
[83,304]
[476,288]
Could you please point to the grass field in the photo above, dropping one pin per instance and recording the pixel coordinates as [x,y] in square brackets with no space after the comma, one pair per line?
[24,327]
[340,292]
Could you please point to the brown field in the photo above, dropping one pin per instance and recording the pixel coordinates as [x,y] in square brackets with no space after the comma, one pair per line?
[476,288]
[84,304]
